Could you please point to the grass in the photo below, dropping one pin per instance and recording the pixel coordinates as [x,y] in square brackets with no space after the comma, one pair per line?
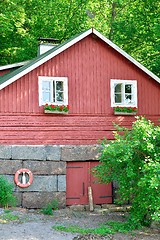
[7,210]
[7,217]
[76,229]
[104,229]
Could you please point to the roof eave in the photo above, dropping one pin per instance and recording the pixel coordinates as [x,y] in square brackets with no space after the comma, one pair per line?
[13,65]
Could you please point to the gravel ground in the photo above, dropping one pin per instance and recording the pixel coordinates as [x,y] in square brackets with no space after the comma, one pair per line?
[35,226]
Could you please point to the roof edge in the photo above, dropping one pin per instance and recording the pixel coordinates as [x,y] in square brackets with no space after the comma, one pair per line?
[13,65]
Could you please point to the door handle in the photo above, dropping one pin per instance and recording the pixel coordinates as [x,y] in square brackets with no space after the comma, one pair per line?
[83,187]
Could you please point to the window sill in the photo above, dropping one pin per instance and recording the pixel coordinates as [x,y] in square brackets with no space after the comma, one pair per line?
[125,113]
[55,112]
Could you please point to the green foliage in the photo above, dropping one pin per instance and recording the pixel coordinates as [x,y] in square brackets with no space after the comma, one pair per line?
[6,193]
[133,25]
[62,108]
[121,227]
[48,209]
[133,160]
[125,109]
[76,229]
[104,229]
[7,210]
[6,217]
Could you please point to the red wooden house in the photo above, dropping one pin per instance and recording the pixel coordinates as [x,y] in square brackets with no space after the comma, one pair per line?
[90,74]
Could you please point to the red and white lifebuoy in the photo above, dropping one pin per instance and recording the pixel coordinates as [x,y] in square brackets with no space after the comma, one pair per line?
[23,184]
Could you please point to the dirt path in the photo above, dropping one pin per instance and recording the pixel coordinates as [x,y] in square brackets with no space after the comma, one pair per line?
[32,231]
[34,226]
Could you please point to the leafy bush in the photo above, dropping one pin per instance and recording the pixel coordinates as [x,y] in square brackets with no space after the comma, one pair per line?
[6,193]
[48,209]
[133,160]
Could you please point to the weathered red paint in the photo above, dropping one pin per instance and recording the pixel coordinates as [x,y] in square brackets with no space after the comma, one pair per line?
[79,178]
[89,66]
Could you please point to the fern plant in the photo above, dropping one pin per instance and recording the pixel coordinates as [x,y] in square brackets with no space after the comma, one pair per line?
[6,193]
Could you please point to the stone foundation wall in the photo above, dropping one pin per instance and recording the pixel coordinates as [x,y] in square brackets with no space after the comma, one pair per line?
[48,165]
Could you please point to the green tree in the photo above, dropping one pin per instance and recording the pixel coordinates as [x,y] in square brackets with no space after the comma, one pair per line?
[133,25]
[12,17]
[133,160]
[136,29]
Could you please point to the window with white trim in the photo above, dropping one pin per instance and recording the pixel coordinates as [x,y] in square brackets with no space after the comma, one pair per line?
[123,93]
[53,90]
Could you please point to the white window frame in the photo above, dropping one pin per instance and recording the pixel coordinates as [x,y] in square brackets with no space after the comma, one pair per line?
[51,79]
[123,103]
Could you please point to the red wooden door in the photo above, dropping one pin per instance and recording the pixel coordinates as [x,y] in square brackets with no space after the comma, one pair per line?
[78,179]
[76,188]
[102,193]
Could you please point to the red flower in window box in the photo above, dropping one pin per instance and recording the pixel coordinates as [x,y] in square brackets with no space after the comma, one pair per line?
[56,108]
[125,110]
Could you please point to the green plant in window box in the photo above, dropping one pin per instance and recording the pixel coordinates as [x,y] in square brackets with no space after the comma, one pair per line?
[125,110]
[59,109]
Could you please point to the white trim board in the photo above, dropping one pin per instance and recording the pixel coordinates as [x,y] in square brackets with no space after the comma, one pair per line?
[13,65]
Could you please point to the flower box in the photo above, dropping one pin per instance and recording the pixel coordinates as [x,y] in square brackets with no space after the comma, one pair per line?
[55,112]
[56,109]
[124,113]
[125,110]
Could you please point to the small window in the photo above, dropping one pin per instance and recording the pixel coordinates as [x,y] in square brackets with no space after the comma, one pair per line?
[53,90]
[123,93]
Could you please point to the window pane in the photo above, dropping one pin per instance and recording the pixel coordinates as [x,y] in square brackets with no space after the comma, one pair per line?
[46,86]
[59,86]
[128,88]
[118,88]
[46,92]
[46,96]
[59,96]
[59,91]
[118,98]
[129,94]
[128,98]
[118,92]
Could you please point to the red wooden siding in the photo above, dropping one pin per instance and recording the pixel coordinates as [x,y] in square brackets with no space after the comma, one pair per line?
[89,66]
[74,130]
[77,187]
[39,129]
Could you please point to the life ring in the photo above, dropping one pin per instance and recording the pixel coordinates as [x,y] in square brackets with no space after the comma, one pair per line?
[24,184]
